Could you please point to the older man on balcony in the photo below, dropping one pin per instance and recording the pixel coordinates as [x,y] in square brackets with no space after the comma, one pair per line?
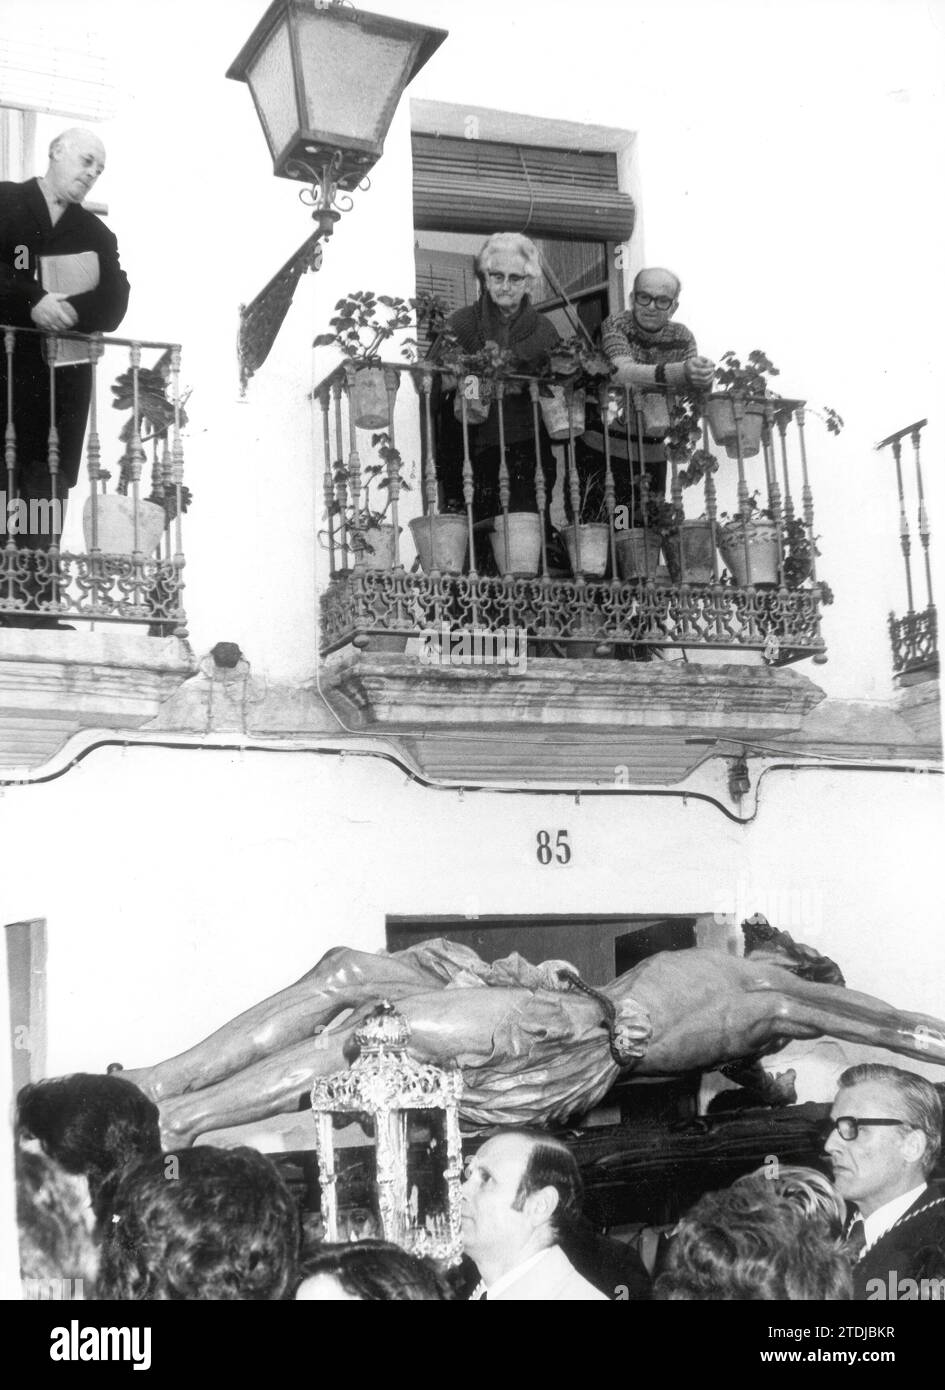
[59,272]
[648,349]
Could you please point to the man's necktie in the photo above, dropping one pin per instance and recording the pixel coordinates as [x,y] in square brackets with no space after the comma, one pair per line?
[856,1237]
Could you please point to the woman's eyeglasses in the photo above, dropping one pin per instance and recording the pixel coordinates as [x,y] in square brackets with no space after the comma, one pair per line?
[495,277]
[849,1126]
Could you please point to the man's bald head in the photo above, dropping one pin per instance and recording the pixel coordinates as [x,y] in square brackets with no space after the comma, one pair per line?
[657,279]
[76,159]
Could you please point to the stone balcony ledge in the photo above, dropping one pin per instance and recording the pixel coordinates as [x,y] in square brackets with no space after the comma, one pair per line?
[54,684]
[399,692]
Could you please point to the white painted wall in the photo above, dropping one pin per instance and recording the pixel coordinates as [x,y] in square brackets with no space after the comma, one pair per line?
[234,872]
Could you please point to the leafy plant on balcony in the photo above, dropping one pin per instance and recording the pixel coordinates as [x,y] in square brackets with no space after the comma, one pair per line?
[750,378]
[799,548]
[377,475]
[156,416]
[364,321]
[490,361]
[587,366]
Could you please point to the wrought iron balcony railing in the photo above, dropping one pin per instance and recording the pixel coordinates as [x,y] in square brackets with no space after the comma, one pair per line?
[914,636]
[130,569]
[726,585]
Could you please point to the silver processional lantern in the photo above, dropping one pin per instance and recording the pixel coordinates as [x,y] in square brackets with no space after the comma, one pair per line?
[388,1144]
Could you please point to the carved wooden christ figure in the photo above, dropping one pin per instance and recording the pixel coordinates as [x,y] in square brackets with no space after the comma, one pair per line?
[534,1043]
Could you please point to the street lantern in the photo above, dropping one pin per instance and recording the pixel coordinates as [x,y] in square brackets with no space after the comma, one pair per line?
[326,79]
[388,1144]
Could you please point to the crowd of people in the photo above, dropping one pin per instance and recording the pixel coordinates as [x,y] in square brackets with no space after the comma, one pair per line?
[105,1211]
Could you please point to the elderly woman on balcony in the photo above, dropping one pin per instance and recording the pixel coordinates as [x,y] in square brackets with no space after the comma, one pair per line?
[507,267]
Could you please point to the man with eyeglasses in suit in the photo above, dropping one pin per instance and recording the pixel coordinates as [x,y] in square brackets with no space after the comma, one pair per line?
[885,1133]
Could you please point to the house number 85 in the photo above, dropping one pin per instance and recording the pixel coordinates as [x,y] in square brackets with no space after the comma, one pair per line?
[560,851]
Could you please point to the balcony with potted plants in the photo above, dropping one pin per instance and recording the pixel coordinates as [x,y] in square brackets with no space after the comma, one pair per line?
[649,575]
[635,609]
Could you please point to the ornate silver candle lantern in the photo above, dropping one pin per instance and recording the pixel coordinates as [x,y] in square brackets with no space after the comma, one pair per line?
[388,1144]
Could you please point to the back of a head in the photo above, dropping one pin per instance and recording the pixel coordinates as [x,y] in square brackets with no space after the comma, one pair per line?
[374,1271]
[202,1224]
[551,1163]
[57,1245]
[751,1244]
[90,1124]
[813,1194]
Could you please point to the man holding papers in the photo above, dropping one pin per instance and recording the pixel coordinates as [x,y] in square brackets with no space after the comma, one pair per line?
[60,273]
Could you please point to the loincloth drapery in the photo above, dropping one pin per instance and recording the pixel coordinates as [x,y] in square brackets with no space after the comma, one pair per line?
[550,1056]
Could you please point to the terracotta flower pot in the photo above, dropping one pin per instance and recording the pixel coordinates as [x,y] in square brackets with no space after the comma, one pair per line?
[561,421]
[524,543]
[380,555]
[369,402]
[595,548]
[638,552]
[116,527]
[690,553]
[441,541]
[655,412]
[762,563]
[726,430]
[477,395]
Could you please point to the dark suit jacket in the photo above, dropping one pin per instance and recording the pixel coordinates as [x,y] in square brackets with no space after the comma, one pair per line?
[26,233]
[912,1249]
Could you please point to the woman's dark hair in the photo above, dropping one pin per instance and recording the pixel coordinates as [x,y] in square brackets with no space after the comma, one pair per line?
[198,1225]
[377,1272]
[90,1124]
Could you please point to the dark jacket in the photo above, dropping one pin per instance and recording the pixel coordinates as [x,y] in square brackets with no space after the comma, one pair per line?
[910,1251]
[26,234]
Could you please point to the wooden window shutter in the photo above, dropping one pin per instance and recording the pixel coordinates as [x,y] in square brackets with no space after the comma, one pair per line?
[449,274]
[485,186]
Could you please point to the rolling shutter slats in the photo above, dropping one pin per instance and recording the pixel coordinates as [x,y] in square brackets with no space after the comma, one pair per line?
[472,185]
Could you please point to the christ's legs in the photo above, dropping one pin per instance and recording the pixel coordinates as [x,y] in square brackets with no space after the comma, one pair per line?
[343,979]
[272,1086]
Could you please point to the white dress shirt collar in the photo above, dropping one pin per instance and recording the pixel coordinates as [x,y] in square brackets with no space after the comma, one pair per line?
[886,1216]
[511,1276]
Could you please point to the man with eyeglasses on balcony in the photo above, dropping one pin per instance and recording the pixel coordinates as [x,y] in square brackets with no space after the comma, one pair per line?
[59,272]
[883,1141]
[648,349]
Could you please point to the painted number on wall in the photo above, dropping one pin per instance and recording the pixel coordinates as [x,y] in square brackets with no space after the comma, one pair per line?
[557,851]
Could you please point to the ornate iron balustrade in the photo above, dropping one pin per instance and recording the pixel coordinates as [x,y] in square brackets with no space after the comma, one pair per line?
[372,600]
[131,570]
[366,605]
[914,640]
[914,637]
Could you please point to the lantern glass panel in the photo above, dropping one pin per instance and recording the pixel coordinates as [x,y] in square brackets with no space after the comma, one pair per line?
[272,84]
[427,1193]
[355,1145]
[340,94]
